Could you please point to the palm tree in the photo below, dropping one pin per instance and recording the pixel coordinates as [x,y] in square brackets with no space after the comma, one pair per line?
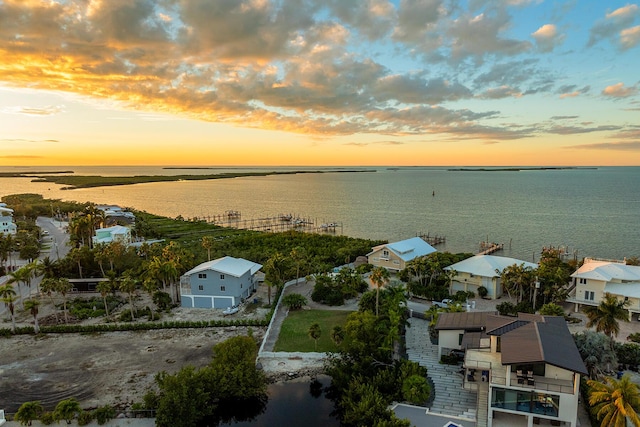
[48,286]
[18,276]
[298,255]
[379,277]
[104,288]
[28,412]
[8,296]
[274,272]
[605,316]
[615,401]
[337,335]
[207,243]
[63,287]
[314,333]
[67,409]
[32,306]
[128,284]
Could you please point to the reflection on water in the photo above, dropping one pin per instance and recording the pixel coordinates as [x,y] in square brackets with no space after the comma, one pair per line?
[294,403]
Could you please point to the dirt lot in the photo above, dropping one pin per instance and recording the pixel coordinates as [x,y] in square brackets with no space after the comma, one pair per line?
[108,368]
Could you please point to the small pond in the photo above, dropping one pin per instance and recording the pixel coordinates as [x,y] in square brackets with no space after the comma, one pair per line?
[295,403]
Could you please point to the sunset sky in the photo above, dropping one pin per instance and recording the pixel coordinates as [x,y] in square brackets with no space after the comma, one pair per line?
[319,82]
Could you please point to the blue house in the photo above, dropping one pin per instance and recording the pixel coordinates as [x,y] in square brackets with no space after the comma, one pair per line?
[221,283]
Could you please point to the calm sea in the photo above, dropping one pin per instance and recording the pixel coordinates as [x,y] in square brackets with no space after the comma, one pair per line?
[590,212]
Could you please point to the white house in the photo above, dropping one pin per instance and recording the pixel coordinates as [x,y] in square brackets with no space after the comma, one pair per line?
[7,226]
[527,369]
[220,283]
[395,256]
[117,233]
[596,277]
[482,270]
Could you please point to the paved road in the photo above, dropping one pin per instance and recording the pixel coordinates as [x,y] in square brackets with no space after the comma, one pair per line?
[55,238]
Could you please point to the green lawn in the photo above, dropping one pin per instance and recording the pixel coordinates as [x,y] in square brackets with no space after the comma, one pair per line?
[294,334]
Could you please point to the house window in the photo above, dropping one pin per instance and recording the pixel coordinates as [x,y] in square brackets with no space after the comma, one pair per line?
[460,339]
[589,295]
[202,275]
[222,277]
[222,288]
[583,281]
[385,254]
[241,285]
[200,288]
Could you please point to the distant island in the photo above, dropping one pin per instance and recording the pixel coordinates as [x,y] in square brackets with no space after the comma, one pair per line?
[29,174]
[539,168]
[78,181]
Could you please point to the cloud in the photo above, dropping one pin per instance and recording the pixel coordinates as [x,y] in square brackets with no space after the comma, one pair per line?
[480,35]
[19,156]
[563,117]
[48,110]
[619,90]
[630,37]
[573,130]
[547,37]
[572,91]
[613,24]
[619,146]
[500,92]
[366,144]
[22,140]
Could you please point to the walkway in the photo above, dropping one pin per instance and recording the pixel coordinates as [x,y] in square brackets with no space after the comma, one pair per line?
[450,397]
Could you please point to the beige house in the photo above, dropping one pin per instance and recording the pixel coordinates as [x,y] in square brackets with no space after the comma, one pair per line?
[395,256]
[482,270]
[596,277]
[527,369]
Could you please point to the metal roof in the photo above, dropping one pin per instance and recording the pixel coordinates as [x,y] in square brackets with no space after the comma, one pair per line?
[468,321]
[486,265]
[407,249]
[227,265]
[608,271]
[547,341]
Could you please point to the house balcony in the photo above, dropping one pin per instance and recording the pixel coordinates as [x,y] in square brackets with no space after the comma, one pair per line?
[483,365]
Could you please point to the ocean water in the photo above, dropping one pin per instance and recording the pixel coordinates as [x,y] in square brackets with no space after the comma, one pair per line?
[589,212]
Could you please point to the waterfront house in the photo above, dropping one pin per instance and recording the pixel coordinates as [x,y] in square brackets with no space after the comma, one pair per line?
[7,226]
[596,277]
[395,256]
[116,233]
[114,215]
[527,368]
[482,270]
[221,283]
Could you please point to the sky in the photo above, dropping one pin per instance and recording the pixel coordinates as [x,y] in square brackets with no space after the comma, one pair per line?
[319,82]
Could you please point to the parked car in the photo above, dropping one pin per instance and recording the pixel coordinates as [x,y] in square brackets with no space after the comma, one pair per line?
[442,304]
[231,310]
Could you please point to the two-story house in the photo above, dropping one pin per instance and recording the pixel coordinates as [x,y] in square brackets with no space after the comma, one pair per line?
[395,256]
[596,277]
[482,270]
[221,283]
[7,226]
[527,369]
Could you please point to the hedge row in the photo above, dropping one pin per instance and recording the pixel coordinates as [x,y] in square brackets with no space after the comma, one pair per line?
[116,327]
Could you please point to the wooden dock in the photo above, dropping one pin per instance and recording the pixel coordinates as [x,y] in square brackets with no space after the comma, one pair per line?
[273,224]
[432,240]
[487,248]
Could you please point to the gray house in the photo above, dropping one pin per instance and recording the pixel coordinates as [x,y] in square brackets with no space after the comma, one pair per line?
[221,283]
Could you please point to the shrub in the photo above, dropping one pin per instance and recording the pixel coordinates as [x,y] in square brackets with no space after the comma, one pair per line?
[294,301]
[551,309]
[634,337]
[483,292]
[506,309]
[84,418]
[47,418]
[104,414]
[416,389]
